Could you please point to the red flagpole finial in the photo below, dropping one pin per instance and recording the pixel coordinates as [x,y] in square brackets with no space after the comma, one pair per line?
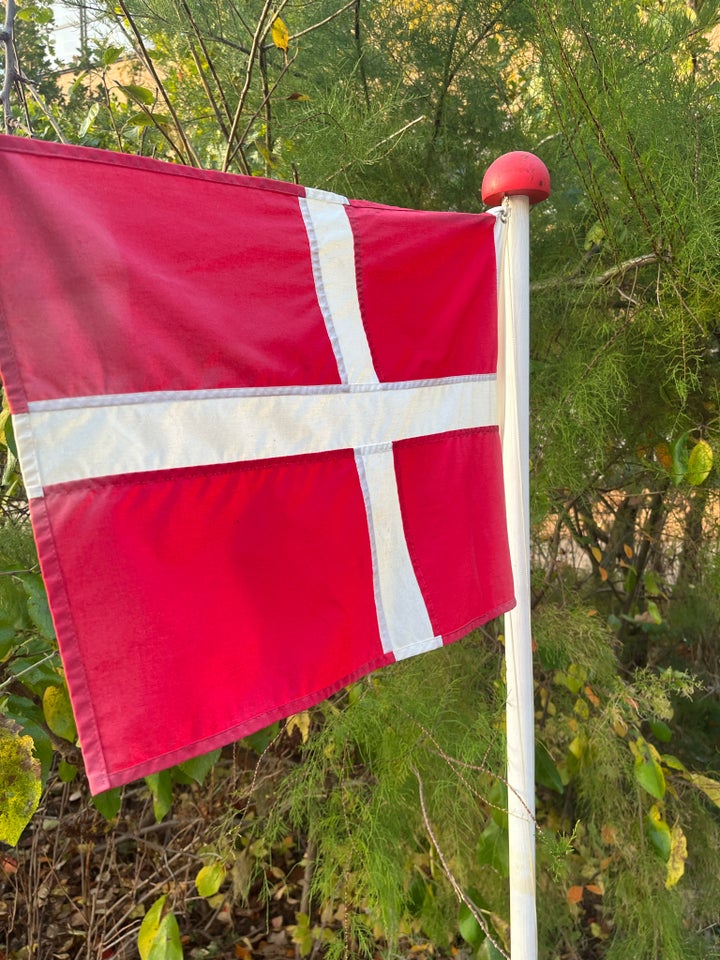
[516,174]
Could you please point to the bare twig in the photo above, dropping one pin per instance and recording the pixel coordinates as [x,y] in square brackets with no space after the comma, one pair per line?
[321,23]
[614,273]
[43,106]
[261,30]
[459,892]
[191,157]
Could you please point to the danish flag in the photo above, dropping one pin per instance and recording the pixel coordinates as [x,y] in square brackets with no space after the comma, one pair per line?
[258,430]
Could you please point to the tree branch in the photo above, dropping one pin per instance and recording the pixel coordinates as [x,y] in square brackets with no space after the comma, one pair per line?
[618,271]
[11,64]
[459,893]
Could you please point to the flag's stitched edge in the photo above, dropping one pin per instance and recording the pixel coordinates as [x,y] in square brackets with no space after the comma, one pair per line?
[236,732]
[171,473]
[72,660]
[251,725]
[230,393]
[14,383]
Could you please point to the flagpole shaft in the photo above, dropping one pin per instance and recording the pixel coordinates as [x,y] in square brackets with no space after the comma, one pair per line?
[520,179]
[518,643]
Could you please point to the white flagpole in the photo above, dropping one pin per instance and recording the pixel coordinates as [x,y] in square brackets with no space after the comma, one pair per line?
[518,179]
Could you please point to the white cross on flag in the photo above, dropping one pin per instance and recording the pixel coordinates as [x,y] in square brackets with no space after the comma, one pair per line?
[258,429]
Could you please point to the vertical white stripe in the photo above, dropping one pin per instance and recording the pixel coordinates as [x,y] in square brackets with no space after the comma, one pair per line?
[333,258]
[28,454]
[405,627]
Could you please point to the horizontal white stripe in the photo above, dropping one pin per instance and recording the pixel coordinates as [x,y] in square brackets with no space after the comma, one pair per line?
[77,443]
[405,628]
[239,393]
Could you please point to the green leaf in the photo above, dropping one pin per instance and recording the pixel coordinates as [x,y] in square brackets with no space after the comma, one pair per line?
[58,713]
[111,55]
[167,945]
[198,767]
[67,771]
[10,437]
[262,739]
[493,848]
[470,929]
[150,927]
[648,771]
[160,785]
[679,455]
[661,731]
[108,803]
[700,463]
[659,832]
[138,94]
[90,118]
[546,772]
[209,879]
[37,604]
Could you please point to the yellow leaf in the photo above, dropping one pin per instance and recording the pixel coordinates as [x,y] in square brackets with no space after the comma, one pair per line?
[280,35]
[603,574]
[209,879]
[700,463]
[150,926]
[628,551]
[20,785]
[58,713]
[597,553]
[711,788]
[678,856]
[302,722]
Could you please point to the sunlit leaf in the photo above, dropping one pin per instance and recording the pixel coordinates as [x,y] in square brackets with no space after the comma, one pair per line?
[138,94]
[658,831]
[111,55]
[301,722]
[678,856]
[58,713]
[90,118]
[280,35]
[700,463]
[159,936]
[648,771]
[20,783]
[209,879]
[167,944]
[710,787]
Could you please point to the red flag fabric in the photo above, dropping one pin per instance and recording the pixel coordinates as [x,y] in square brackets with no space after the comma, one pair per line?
[257,425]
